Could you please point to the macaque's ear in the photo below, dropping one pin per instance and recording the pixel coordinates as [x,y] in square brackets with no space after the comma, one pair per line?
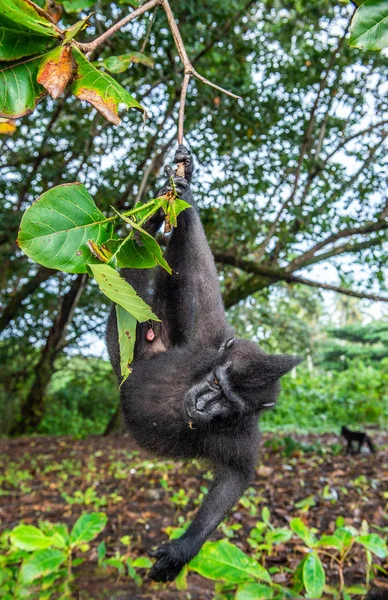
[277,365]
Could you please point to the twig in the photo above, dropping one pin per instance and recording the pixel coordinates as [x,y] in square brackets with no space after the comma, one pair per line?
[147,35]
[188,67]
[102,38]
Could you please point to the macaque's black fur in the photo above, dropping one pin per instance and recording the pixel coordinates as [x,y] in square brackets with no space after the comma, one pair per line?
[195,391]
[359,437]
[376,593]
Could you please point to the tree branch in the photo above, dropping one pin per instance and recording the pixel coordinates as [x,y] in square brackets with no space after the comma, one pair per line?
[188,67]
[306,142]
[14,306]
[300,260]
[91,46]
[281,275]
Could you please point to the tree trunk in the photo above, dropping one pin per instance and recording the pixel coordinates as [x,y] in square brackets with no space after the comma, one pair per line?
[32,408]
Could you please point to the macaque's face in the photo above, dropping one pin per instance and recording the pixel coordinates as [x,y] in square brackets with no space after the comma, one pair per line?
[212,398]
[243,381]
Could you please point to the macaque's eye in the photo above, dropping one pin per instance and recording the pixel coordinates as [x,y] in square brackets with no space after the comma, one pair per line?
[216,383]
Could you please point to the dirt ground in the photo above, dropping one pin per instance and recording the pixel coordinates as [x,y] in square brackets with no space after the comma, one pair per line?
[35,472]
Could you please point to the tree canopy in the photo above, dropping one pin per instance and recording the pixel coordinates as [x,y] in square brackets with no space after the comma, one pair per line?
[291,180]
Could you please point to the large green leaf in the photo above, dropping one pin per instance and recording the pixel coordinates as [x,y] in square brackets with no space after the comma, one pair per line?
[55,230]
[19,90]
[18,44]
[119,291]
[374,543]
[28,537]
[222,560]
[369,28]
[87,527]
[41,563]
[313,576]
[21,15]
[98,88]
[131,254]
[254,591]
[126,326]
[152,246]
[119,64]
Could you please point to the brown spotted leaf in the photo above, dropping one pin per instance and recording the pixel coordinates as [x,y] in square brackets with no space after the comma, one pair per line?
[100,90]
[55,70]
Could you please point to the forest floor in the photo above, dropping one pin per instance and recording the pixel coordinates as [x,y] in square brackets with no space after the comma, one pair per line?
[306,476]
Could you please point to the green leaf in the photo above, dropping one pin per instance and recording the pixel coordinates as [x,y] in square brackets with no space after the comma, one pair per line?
[133,3]
[101,551]
[303,532]
[223,560]
[98,88]
[143,562]
[253,591]
[55,230]
[278,536]
[152,246]
[19,90]
[119,64]
[75,29]
[119,291]
[266,515]
[173,209]
[41,563]
[329,541]
[18,44]
[28,537]
[313,576]
[374,543]
[20,15]
[76,6]
[356,589]
[369,28]
[344,536]
[126,326]
[131,254]
[87,527]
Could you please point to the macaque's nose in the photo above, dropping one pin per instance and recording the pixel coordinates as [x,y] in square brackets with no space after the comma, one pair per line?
[200,404]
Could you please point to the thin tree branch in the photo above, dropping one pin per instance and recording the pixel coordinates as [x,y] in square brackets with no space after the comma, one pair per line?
[282,275]
[91,46]
[306,142]
[188,67]
[350,231]
[182,105]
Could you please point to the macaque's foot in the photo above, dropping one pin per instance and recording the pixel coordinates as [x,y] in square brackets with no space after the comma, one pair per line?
[183,155]
[169,562]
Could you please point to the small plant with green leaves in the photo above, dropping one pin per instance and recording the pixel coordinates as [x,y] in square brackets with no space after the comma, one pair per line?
[180,499]
[124,563]
[310,573]
[90,498]
[264,536]
[37,562]
[251,500]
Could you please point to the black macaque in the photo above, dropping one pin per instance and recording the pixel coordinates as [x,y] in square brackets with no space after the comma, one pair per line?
[359,437]
[376,593]
[195,390]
